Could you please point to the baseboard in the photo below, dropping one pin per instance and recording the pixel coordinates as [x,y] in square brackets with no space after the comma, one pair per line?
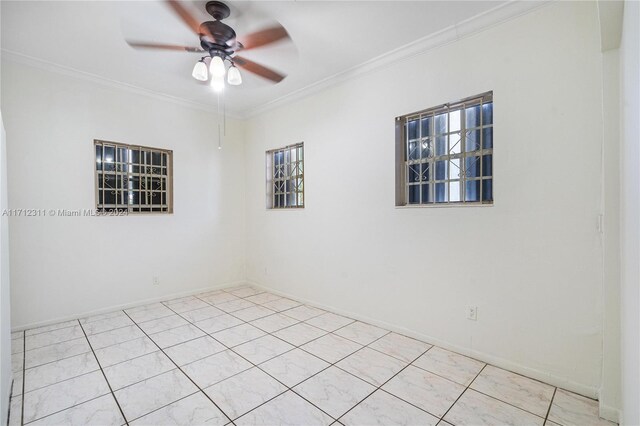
[124,306]
[609,413]
[561,382]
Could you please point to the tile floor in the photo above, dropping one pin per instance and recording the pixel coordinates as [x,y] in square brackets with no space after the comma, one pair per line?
[242,356]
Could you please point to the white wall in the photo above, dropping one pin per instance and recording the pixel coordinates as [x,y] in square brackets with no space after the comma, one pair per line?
[532,263]
[66,266]
[630,213]
[5,290]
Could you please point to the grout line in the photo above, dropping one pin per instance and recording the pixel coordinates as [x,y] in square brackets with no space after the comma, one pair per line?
[103,375]
[551,404]
[182,371]
[462,393]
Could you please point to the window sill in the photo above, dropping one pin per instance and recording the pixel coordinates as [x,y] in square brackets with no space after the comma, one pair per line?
[443,205]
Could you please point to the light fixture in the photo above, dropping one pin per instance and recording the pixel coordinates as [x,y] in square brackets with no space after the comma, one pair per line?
[200,71]
[234,78]
[216,67]
[217,83]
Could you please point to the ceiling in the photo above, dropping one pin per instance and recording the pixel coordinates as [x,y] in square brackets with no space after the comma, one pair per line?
[328,37]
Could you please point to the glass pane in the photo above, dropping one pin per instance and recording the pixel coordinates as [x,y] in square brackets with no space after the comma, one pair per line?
[414,173]
[472,118]
[99,157]
[109,197]
[487,190]
[472,190]
[426,198]
[441,193]
[441,145]
[135,156]
[414,152]
[472,142]
[441,124]
[427,148]
[454,144]
[414,194]
[425,172]
[454,168]
[427,124]
[487,165]
[472,167]
[441,170]
[487,113]
[487,138]
[454,121]
[454,191]
[412,130]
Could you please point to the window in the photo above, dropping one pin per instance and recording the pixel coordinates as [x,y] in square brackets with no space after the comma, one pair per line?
[132,178]
[285,177]
[444,155]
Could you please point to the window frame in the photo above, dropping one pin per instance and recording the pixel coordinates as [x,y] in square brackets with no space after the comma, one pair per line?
[271,179]
[403,163]
[130,209]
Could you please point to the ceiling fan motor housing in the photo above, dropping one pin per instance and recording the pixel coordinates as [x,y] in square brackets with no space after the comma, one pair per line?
[223,36]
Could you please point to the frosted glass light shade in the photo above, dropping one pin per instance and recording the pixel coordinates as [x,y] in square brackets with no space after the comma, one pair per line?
[234,78]
[216,67]
[200,71]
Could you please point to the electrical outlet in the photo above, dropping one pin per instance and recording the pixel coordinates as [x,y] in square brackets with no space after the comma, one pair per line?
[472,313]
[156,280]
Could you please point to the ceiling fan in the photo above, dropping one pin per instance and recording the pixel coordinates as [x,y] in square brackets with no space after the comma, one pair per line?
[220,44]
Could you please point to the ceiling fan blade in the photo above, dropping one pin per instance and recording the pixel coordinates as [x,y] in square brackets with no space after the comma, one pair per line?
[264,37]
[141,45]
[258,69]
[188,18]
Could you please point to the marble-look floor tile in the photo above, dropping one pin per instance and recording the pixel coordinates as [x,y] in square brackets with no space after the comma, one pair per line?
[17,385]
[273,323]
[188,305]
[329,321]
[243,392]
[372,366]
[195,409]
[215,368]
[246,292]
[219,298]
[201,314]
[112,314]
[56,352]
[57,371]
[361,333]
[51,327]
[303,312]
[235,305]
[401,347]
[287,409]
[570,409]
[101,411]
[425,390]
[450,365]
[178,300]
[294,367]
[525,393]
[263,298]
[113,337]
[47,338]
[15,411]
[331,348]
[62,395]
[238,335]
[384,409]
[17,362]
[138,369]
[194,350]
[125,351]
[100,326]
[175,336]
[219,323]
[155,312]
[334,391]
[156,392]
[252,313]
[281,304]
[17,335]
[476,409]
[17,345]
[262,349]
[299,334]
[162,324]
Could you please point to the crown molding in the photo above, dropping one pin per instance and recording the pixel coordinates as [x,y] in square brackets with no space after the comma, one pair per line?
[48,66]
[463,29]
